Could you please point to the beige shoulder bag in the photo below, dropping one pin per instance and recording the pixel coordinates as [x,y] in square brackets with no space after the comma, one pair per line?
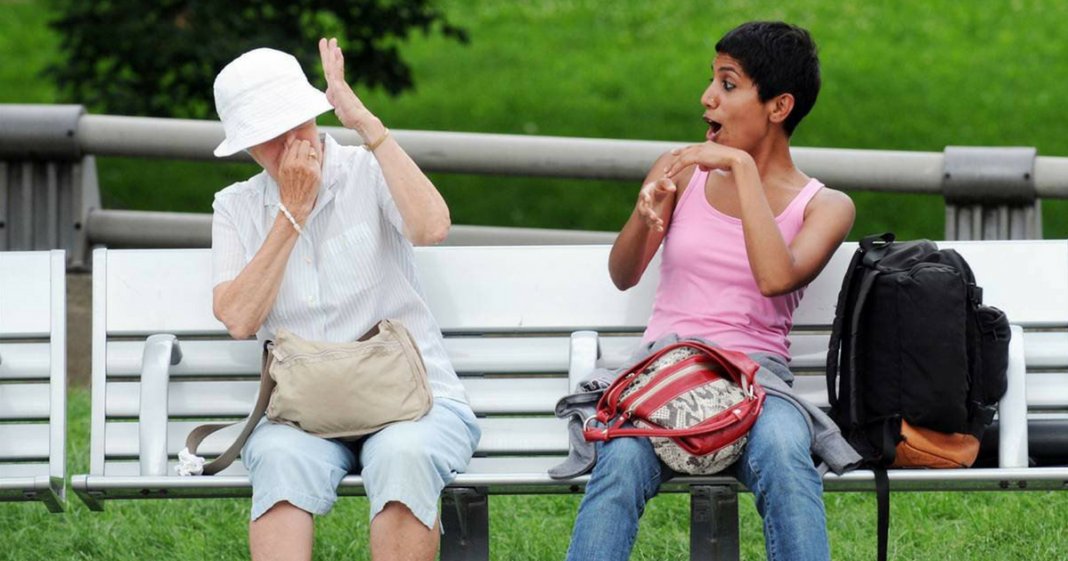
[331,390]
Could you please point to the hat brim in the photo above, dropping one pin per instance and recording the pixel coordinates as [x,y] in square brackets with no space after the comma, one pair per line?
[277,120]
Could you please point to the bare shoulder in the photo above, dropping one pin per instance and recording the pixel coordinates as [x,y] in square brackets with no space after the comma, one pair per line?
[661,164]
[829,203]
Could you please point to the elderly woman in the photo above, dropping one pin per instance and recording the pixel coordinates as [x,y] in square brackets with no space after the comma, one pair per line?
[320,244]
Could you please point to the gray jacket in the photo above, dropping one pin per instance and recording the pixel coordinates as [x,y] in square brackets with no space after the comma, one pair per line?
[828,444]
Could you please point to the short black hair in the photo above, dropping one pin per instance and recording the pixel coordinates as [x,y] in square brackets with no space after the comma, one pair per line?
[780,58]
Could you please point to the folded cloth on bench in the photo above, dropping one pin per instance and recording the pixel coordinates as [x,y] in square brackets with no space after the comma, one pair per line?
[827,442]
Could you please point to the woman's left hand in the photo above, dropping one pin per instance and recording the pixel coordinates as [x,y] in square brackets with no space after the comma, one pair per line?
[349,109]
[706,156]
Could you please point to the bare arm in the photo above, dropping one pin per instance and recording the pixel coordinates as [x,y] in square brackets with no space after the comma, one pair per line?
[243,303]
[778,268]
[425,214]
[640,237]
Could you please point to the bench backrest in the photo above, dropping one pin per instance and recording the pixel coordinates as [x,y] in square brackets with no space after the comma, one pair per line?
[32,375]
[507,314]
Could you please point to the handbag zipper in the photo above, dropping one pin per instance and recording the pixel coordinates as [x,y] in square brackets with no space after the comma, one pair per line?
[674,376]
[328,351]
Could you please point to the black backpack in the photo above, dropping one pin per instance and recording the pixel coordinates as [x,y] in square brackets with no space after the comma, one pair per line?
[913,352]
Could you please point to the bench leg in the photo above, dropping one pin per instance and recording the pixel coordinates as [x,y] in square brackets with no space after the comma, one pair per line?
[465,520]
[713,523]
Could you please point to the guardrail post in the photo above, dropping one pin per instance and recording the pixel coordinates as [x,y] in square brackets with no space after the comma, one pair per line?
[990,194]
[47,186]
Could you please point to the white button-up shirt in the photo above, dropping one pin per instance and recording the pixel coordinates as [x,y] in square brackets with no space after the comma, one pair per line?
[351,268]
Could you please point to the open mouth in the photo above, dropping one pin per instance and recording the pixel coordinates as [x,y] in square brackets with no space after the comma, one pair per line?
[713,127]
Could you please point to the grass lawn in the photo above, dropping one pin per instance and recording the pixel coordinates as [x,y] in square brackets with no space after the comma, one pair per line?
[924,526]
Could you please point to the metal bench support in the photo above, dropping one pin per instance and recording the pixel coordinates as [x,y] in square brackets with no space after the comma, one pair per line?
[465,520]
[713,523]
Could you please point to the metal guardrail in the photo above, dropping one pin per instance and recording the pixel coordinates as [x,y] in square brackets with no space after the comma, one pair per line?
[49,197]
[547,156]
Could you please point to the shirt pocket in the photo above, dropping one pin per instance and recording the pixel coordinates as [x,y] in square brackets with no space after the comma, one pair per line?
[352,260]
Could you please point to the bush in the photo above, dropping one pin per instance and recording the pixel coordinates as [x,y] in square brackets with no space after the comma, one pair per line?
[160,58]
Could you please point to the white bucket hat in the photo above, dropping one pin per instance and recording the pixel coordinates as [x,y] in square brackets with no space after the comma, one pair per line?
[262,94]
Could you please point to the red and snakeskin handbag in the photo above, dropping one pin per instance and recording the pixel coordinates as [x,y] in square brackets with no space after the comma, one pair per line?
[696,402]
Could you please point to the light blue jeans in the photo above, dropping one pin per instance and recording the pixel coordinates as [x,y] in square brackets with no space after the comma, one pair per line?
[776,466]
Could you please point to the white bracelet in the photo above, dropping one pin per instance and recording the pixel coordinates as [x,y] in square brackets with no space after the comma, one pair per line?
[293,221]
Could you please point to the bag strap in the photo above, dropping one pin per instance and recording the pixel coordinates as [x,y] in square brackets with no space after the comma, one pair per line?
[197,435]
[738,367]
[870,250]
[267,384]
[882,499]
[742,414]
[837,328]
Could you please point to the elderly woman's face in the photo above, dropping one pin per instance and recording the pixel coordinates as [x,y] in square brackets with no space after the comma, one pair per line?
[269,154]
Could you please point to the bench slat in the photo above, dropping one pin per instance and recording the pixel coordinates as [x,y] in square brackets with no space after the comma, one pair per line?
[488,396]
[1048,390]
[24,361]
[24,287]
[1036,296]
[23,402]
[24,442]
[546,435]
[479,465]
[237,358]
[23,470]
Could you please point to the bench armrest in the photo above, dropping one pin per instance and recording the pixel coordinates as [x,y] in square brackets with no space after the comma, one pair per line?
[585,350]
[1012,410]
[161,351]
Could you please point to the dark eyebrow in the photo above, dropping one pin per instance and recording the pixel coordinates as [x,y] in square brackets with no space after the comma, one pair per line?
[727,68]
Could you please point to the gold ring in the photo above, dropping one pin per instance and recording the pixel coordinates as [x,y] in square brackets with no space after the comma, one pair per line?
[313,155]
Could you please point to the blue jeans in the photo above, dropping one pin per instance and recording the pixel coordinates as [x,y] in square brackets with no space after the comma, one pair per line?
[776,466]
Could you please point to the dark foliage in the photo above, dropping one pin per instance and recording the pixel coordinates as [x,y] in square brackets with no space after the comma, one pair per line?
[160,58]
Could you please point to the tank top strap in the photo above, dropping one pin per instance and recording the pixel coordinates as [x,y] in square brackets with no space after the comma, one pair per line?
[800,202]
[697,183]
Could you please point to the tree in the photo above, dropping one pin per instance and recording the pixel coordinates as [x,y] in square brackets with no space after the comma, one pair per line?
[160,58]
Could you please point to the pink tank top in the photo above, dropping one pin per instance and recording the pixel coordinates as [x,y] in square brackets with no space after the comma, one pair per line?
[706,285]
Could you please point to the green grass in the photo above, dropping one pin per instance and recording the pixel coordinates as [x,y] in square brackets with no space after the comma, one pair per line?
[924,526]
[909,75]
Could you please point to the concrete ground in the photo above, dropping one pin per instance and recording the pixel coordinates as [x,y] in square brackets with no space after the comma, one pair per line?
[79,328]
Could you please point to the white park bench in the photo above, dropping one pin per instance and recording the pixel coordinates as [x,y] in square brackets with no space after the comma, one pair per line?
[33,377]
[517,321]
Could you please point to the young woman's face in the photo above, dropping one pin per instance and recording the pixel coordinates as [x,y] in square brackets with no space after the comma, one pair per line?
[269,154]
[735,115]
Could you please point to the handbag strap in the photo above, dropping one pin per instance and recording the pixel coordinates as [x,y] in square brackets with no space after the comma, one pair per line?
[197,435]
[267,384]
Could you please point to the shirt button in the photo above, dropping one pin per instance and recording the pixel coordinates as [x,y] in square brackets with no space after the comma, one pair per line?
[308,260]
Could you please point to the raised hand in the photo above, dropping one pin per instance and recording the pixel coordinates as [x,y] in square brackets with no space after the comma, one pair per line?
[707,155]
[349,109]
[652,200]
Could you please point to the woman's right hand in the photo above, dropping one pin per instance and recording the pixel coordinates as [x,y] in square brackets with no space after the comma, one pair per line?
[652,200]
[299,174]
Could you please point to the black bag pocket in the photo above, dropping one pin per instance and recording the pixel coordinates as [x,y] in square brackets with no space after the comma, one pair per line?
[932,314]
[992,371]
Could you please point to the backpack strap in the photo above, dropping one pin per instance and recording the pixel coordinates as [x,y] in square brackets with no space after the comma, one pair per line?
[872,248]
[835,345]
[882,499]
